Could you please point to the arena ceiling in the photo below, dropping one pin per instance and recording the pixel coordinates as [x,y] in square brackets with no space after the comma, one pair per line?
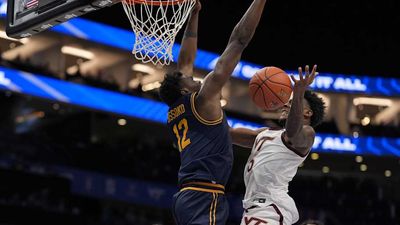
[351,37]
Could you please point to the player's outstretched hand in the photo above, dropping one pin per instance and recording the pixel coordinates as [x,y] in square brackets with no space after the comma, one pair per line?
[303,82]
[197,7]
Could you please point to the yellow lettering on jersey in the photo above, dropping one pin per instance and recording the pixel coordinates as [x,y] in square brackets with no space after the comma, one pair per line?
[175,112]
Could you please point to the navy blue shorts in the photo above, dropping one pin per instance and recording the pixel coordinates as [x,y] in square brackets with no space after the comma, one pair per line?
[196,206]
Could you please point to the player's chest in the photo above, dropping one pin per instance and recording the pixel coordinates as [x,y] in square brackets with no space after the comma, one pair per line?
[264,148]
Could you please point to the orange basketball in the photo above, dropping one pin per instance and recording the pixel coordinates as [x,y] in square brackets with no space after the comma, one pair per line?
[270,88]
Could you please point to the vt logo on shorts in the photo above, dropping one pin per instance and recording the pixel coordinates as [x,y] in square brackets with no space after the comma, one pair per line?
[257,221]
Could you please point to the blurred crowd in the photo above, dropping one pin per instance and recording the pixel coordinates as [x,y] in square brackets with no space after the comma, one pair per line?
[27,197]
[333,200]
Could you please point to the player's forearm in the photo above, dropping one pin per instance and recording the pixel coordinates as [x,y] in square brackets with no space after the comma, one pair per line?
[294,122]
[240,38]
[188,50]
[246,27]
[244,137]
[191,27]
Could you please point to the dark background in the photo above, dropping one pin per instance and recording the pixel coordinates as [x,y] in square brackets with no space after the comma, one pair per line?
[353,37]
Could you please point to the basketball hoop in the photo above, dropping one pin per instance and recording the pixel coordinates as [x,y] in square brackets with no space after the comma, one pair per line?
[156,24]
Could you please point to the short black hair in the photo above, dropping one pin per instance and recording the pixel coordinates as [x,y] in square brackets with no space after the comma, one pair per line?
[312,222]
[317,105]
[170,90]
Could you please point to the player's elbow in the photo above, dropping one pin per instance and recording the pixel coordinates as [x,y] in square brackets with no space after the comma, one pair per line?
[302,140]
[241,37]
[223,70]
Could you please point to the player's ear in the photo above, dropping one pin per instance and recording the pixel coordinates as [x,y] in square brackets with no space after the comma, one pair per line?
[308,113]
[184,91]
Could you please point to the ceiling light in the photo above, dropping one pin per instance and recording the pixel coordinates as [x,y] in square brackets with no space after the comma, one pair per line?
[4,36]
[363,167]
[143,68]
[325,169]
[151,86]
[73,70]
[365,121]
[78,52]
[372,101]
[314,156]
[56,106]
[359,159]
[122,122]
[134,83]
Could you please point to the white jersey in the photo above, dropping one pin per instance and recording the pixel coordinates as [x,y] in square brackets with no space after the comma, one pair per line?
[270,167]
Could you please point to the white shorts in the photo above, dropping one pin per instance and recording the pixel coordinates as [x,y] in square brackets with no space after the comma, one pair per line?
[267,215]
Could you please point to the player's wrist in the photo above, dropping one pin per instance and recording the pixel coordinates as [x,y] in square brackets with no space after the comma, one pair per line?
[190,34]
[298,93]
[195,11]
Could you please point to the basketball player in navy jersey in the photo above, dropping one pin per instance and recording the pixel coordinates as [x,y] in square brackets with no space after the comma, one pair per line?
[198,124]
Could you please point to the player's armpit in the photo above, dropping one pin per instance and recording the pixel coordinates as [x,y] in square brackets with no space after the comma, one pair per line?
[208,99]
[244,137]
[303,141]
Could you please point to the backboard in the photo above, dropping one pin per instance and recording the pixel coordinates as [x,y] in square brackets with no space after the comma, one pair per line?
[29,17]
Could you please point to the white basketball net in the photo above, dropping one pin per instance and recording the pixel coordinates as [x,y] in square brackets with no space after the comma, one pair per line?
[156,24]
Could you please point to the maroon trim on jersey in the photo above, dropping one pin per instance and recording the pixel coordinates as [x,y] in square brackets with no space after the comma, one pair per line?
[258,221]
[279,213]
[262,140]
[292,148]
[275,128]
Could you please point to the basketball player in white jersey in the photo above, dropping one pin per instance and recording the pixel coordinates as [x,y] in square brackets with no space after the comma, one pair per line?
[276,155]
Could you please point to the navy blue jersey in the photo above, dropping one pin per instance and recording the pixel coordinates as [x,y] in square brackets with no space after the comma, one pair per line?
[205,146]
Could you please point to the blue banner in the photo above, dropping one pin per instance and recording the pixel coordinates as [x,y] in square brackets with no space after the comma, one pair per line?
[98,185]
[108,101]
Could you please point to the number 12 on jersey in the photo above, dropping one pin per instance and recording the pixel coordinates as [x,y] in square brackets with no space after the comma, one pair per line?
[180,132]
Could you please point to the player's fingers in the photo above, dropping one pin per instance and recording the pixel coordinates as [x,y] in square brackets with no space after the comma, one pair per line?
[293,79]
[300,74]
[313,74]
[307,69]
[307,77]
[314,69]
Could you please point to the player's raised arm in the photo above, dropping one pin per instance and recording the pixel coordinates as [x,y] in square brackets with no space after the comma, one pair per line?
[297,134]
[208,99]
[187,53]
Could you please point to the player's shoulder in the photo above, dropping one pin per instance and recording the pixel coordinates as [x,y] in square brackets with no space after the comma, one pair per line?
[178,109]
[309,131]
[201,113]
[268,131]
